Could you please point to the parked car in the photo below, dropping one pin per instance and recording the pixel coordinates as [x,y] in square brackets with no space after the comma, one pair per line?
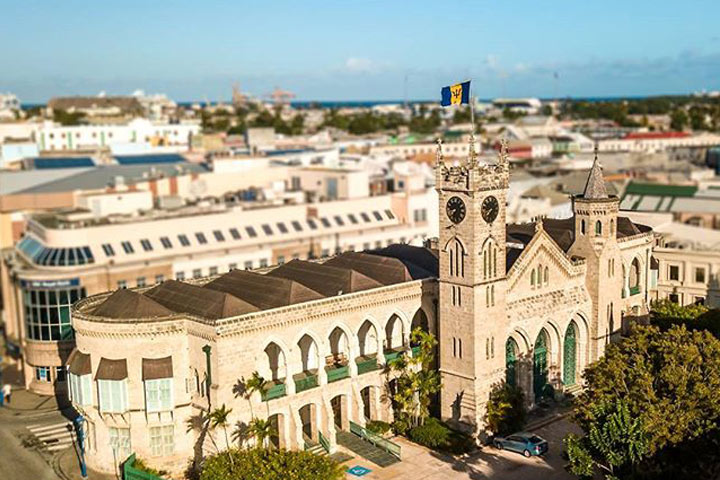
[526,443]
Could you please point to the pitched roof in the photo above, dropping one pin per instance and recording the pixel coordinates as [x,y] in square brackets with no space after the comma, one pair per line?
[421,262]
[186,298]
[325,279]
[129,304]
[386,270]
[595,185]
[263,291]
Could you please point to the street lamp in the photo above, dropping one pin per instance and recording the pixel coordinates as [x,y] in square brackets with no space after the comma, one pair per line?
[79,421]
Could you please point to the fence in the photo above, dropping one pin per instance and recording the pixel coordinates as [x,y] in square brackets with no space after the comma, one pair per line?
[375,439]
[132,473]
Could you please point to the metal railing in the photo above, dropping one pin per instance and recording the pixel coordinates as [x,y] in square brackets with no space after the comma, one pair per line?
[276,390]
[375,439]
[337,373]
[132,473]
[324,442]
[365,365]
[306,383]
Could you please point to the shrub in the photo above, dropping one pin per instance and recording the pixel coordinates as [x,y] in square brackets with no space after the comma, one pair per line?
[266,464]
[378,426]
[140,464]
[438,436]
[432,434]
[505,410]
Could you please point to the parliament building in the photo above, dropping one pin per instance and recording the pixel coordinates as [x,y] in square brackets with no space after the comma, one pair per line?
[531,304]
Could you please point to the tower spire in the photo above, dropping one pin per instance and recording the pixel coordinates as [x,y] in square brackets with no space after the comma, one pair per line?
[595,186]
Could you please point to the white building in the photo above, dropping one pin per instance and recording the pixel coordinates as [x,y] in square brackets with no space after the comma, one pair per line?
[137,133]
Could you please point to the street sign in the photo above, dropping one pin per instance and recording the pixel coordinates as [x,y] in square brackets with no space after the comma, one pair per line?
[358,471]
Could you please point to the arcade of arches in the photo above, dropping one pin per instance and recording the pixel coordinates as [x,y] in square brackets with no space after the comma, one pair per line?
[555,360]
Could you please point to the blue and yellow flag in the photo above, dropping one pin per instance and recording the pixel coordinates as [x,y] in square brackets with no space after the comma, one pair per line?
[456,94]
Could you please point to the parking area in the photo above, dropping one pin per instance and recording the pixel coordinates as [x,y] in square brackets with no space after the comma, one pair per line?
[420,463]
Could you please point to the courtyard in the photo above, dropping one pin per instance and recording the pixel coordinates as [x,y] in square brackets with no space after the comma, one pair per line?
[420,463]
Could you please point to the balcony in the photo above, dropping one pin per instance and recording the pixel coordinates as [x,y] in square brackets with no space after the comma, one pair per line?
[337,372]
[275,390]
[366,364]
[391,355]
[635,290]
[305,381]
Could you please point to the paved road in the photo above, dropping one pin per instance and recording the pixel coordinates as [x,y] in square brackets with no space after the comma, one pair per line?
[421,464]
[17,461]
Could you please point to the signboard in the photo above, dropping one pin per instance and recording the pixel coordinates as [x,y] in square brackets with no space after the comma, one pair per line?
[63,283]
[358,471]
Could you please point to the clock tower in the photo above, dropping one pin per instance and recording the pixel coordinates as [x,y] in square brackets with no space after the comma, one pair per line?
[472,316]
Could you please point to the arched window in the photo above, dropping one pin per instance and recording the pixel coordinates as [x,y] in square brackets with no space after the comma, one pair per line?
[456,257]
[492,295]
[532,278]
[487,296]
[511,354]
[635,274]
[612,226]
[598,228]
[489,255]
[582,227]
[546,276]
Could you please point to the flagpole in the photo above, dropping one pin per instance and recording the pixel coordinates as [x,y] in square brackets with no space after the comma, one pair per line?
[472,122]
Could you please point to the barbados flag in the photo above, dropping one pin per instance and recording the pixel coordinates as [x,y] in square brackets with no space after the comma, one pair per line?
[456,94]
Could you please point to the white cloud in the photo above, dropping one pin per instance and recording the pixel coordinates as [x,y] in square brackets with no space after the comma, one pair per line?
[361,65]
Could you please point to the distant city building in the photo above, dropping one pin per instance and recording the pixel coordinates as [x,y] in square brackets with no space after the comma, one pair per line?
[529,106]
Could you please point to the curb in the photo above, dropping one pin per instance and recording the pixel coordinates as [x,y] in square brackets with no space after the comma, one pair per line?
[547,421]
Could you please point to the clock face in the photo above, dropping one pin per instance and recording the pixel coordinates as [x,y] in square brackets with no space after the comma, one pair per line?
[490,209]
[455,209]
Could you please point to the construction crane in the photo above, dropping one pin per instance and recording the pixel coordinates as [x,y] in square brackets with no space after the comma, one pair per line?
[280,97]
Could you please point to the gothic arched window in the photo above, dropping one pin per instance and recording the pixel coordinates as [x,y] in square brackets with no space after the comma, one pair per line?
[598,228]
[582,227]
[532,278]
[546,275]
[456,257]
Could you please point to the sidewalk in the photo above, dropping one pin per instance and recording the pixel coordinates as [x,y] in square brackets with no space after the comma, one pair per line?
[22,400]
[67,465]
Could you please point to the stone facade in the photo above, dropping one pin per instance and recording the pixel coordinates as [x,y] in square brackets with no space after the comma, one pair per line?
[365,327]
[529,304]
[528,312]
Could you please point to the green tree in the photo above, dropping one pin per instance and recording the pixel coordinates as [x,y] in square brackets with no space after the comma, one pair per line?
[219,418]
[417,382]
[667,309]
[261,430]
[255,383]
[505,411]
[270,464]
[678,119]
[614,444]
[669,381]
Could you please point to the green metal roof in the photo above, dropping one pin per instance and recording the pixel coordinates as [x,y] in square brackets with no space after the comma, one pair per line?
[635,188]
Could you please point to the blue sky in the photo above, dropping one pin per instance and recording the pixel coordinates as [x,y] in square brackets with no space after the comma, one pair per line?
[356,50]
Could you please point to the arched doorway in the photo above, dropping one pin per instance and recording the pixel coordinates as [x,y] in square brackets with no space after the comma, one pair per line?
[420,320]
[309,425]
[511,352]
[570,355]
[394,335]
[540,364]
[339,408]
[365,395]
[277,433]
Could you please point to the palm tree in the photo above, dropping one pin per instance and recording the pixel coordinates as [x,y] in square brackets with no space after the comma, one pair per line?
[255,383]
[261,430]
[219,418]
